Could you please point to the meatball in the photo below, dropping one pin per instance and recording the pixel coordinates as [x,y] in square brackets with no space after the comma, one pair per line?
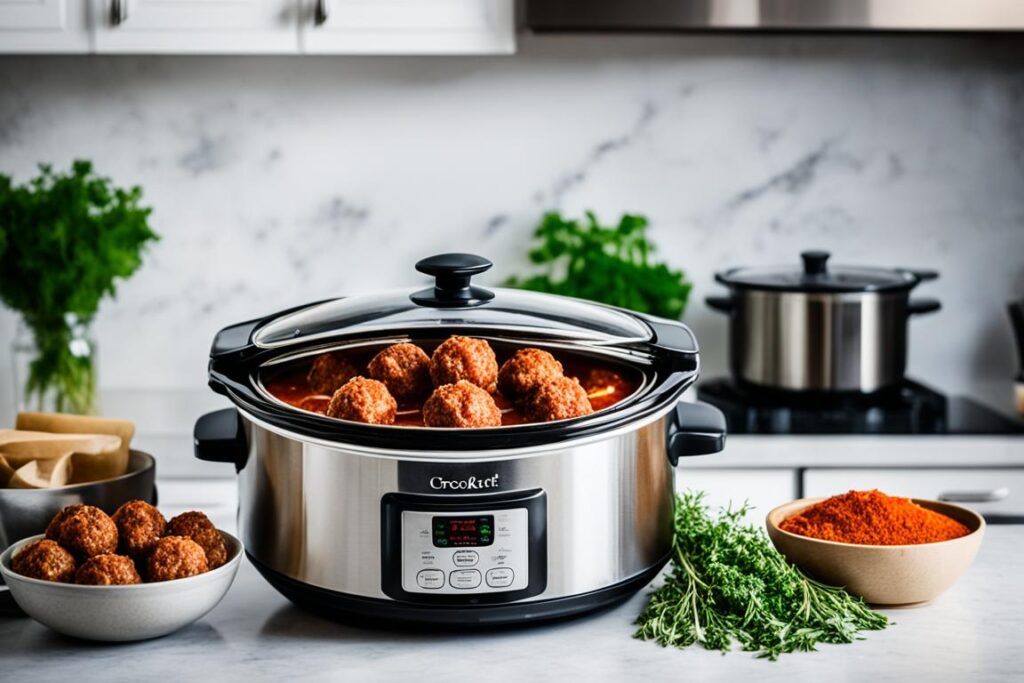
[558,398]
[139,527]
[465,358]
[405,371]
[330,371]
[46,561]
[176,557]
[363,400]
[85,531]
[462,404]
[53,527]
[199,528]
[526,369]
[108,570]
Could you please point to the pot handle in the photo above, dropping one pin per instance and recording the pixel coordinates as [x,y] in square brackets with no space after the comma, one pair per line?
[219,437]
[722,304]
[921,306]
[695,429]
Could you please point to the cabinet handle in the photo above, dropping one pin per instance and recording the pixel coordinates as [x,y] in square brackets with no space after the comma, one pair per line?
[118,12]
[320,12]
[992,496]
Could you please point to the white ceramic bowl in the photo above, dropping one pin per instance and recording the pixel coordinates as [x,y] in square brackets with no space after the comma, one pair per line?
[121,613]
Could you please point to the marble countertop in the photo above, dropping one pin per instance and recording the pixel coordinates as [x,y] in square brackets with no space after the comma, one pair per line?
[970,633]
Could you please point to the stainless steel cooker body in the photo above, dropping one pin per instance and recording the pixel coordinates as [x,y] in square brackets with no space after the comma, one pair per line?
[312,512]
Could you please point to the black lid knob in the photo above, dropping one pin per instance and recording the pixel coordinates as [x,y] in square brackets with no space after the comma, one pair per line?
[815,262]
[452,288]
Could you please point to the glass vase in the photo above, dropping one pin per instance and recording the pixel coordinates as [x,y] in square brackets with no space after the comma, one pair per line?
[55,366]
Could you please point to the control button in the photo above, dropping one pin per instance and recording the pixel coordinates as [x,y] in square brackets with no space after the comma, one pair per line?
[500,577]
[465,558]
[430,578]
[464,578]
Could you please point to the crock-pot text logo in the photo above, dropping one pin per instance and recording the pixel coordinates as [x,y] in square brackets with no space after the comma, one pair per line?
[467,484]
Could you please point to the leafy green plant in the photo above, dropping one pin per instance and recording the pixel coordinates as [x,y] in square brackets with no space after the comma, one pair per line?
[611,265]
[69,237]
[728,584]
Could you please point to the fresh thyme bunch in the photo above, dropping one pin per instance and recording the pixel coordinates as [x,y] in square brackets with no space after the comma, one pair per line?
[728,584]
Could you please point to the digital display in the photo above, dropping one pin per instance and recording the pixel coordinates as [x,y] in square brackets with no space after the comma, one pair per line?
[463,532]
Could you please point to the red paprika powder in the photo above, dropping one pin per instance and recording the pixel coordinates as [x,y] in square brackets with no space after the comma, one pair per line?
[873,518]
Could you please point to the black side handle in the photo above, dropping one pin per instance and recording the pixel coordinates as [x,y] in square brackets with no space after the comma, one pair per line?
[922,306]
[722,304]
[923,275]
[695,429]
[219,437]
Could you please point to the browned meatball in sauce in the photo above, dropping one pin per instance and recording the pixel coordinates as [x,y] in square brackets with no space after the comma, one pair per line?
[176,557]
[85,531]
[405,371]
[461,405]
[559,398]
[465,358]
[363,400]
[46,561]
[108,570]
[139,527]
[198,527]
[330,371]
[526,369]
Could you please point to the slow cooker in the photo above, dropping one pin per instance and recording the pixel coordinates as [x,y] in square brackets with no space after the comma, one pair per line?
[820,329]
[457,526]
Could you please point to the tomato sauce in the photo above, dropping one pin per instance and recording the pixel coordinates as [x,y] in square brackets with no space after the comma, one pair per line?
[605,382]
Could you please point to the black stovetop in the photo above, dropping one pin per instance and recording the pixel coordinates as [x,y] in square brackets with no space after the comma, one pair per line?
[912,408]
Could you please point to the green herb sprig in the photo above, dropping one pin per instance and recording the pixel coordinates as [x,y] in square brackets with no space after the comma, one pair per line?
[729,585]
[611,265]
[68,237]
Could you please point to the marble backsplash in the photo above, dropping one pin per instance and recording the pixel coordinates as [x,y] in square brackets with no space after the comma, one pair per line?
[277,181]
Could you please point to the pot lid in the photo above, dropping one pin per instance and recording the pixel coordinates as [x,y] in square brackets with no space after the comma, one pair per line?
[817,276]
[454,302]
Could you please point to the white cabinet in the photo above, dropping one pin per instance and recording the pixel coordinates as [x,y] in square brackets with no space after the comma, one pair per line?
[408,27]
[363,27]
[990,491]
[196,26]
[763,489]
[44,26]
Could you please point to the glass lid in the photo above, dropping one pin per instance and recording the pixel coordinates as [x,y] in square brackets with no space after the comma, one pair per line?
[454,302]
[817,276]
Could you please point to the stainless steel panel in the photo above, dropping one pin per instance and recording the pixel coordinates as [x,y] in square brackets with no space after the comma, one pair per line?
[313,512]
[788,15]
[819,342]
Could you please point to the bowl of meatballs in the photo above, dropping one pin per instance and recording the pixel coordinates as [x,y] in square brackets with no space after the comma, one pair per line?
[128,576]
[463,383]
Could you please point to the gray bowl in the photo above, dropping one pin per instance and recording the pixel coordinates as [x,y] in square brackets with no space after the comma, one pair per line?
[121,613]
[26,512]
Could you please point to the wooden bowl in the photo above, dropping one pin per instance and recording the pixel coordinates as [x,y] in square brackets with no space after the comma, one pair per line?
[882,574]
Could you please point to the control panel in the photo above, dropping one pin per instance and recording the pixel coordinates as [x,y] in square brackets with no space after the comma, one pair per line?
[478,551]
[464,549]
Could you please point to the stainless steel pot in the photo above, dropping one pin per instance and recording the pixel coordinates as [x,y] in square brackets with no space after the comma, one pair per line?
[563,517]
[820,330]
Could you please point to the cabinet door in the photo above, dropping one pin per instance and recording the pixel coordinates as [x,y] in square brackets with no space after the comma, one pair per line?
[993,492]
[408,27]
[44,26]
[763,489]
[197,26]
